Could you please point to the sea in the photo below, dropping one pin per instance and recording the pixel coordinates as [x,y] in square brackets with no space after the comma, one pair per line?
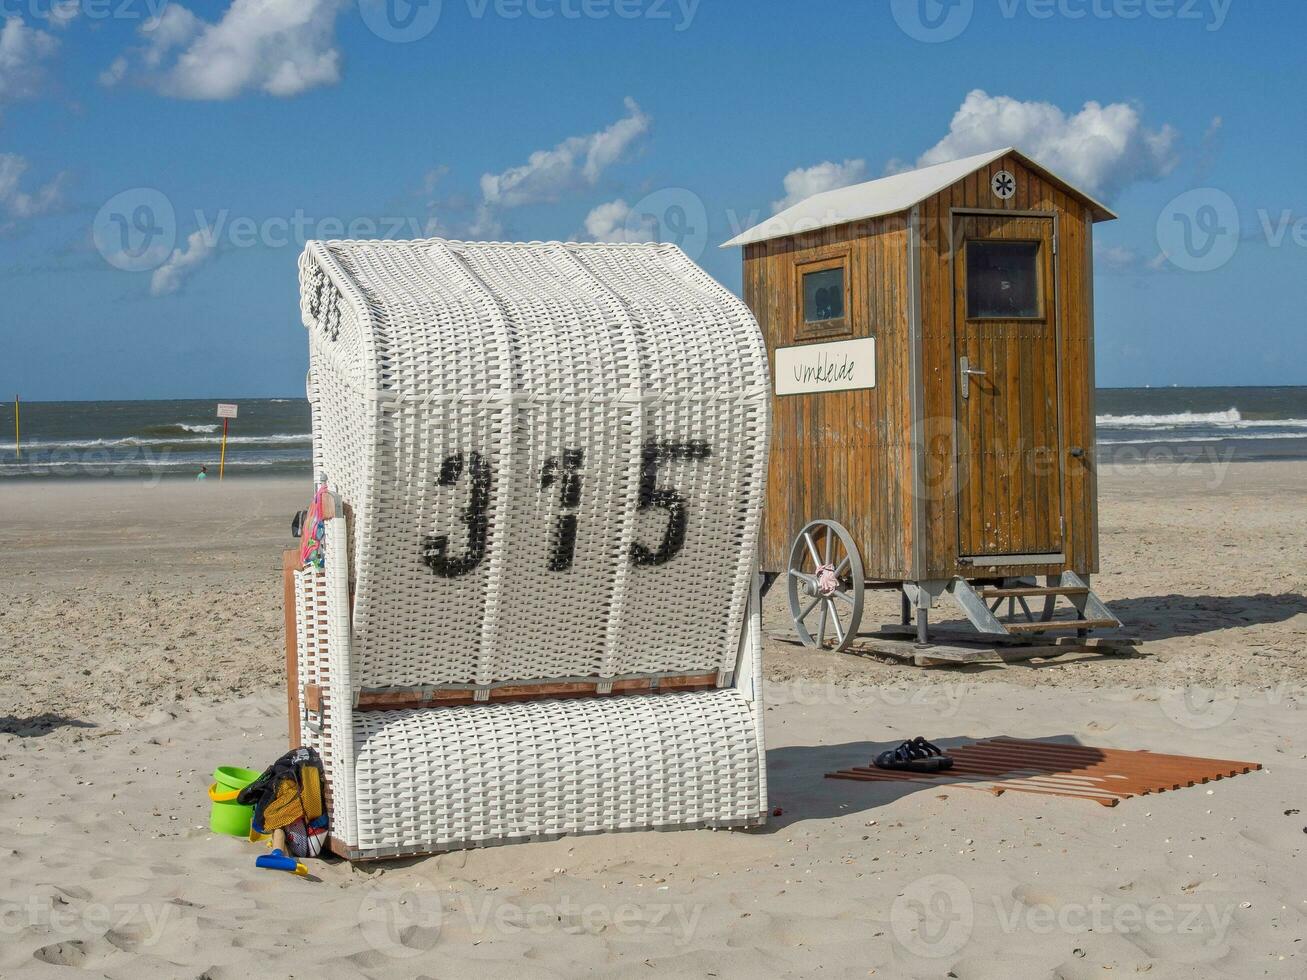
[271,436]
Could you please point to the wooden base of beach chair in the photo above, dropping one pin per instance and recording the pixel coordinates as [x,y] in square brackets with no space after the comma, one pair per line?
[290,564]
[452,697]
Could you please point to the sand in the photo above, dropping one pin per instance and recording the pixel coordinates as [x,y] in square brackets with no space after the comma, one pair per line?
[140,645]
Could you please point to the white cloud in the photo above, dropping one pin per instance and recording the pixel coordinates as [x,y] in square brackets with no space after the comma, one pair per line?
[1116,258]
[173,28]
[433,177]
[611,222]
[281,47]
[22,51]
[548,174]
[1100,148]
[11,169]
[168,278]
[19,203]
[116,71]
[62,13]
[608,146]
[804,182]
[1209,149]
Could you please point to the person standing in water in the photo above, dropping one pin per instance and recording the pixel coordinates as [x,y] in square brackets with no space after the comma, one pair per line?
[203,474]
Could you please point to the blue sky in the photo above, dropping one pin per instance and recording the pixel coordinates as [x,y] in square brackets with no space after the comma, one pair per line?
[561,118]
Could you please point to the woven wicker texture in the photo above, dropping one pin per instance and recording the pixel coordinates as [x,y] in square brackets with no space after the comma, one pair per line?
[551,462]
[504,771]
[509,425]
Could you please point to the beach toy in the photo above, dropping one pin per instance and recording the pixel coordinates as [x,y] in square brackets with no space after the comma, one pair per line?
[278,861]
[234,777]
[226,816]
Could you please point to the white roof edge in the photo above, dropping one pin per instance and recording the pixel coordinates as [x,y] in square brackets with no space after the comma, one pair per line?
[890,195]
[538,243]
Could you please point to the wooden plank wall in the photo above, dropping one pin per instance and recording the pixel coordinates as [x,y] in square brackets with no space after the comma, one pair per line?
[841,455]
[939,364]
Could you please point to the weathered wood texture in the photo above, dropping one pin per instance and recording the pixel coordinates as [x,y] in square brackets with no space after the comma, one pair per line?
[1074,302]
[290,562]
[1009,493]
[844,456]
[847,456]
[400,700]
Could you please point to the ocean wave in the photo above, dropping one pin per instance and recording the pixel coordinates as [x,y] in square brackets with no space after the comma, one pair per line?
[1231,419]
[179,429]
[132,467]
[1162,440]
[136,442]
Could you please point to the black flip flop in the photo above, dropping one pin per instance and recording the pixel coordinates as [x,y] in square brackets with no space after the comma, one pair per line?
[916,755]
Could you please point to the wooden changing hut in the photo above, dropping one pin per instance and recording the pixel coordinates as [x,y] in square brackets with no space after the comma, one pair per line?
[932,351]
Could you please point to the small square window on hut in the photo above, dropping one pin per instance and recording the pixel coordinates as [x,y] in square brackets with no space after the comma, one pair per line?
[1002,280]
[823,297]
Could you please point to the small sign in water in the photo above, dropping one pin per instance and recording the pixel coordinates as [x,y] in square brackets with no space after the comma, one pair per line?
[842,365]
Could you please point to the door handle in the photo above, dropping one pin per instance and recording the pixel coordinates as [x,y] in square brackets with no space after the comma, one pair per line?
[967,373]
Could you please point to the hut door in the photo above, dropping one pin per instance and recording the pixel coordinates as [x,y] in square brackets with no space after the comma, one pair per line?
[1005,321]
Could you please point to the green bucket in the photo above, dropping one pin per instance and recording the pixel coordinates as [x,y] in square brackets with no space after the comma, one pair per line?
[226,816]
[234,777]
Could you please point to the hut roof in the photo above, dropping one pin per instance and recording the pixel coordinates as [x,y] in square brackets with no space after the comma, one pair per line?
[890,195]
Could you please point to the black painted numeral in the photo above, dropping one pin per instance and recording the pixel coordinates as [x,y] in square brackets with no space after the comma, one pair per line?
[566,471]
[475,517]
[653,496]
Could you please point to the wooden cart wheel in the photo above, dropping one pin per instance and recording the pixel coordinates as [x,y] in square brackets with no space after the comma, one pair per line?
[825,585]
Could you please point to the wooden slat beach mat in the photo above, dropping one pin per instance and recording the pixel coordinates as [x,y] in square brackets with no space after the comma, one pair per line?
[1106,776]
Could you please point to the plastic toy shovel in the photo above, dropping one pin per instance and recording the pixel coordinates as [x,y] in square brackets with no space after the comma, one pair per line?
[278,861]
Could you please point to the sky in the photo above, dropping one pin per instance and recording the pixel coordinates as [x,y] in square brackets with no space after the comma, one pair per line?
[162,164]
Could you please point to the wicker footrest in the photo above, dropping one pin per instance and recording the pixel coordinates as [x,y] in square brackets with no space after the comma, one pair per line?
[439,779]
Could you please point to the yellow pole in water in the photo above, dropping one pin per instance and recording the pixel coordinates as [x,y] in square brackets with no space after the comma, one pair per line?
[18,442]
[222,459]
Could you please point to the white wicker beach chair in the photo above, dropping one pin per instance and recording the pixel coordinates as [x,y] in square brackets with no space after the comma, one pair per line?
[539,611]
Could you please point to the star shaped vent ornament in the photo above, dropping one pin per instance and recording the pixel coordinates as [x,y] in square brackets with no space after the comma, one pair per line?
[1004,185]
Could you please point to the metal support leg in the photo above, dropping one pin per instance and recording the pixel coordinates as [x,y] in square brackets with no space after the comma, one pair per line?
[905,609]
[921,596]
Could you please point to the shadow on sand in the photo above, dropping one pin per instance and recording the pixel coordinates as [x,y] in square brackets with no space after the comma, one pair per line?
[38,725]
[797,783]
[1168,616]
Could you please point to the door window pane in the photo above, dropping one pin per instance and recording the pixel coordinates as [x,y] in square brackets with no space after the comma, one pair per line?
[823,295]
[1002,279]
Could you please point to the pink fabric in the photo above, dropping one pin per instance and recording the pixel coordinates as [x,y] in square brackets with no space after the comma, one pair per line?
[311,534]
[827,581]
